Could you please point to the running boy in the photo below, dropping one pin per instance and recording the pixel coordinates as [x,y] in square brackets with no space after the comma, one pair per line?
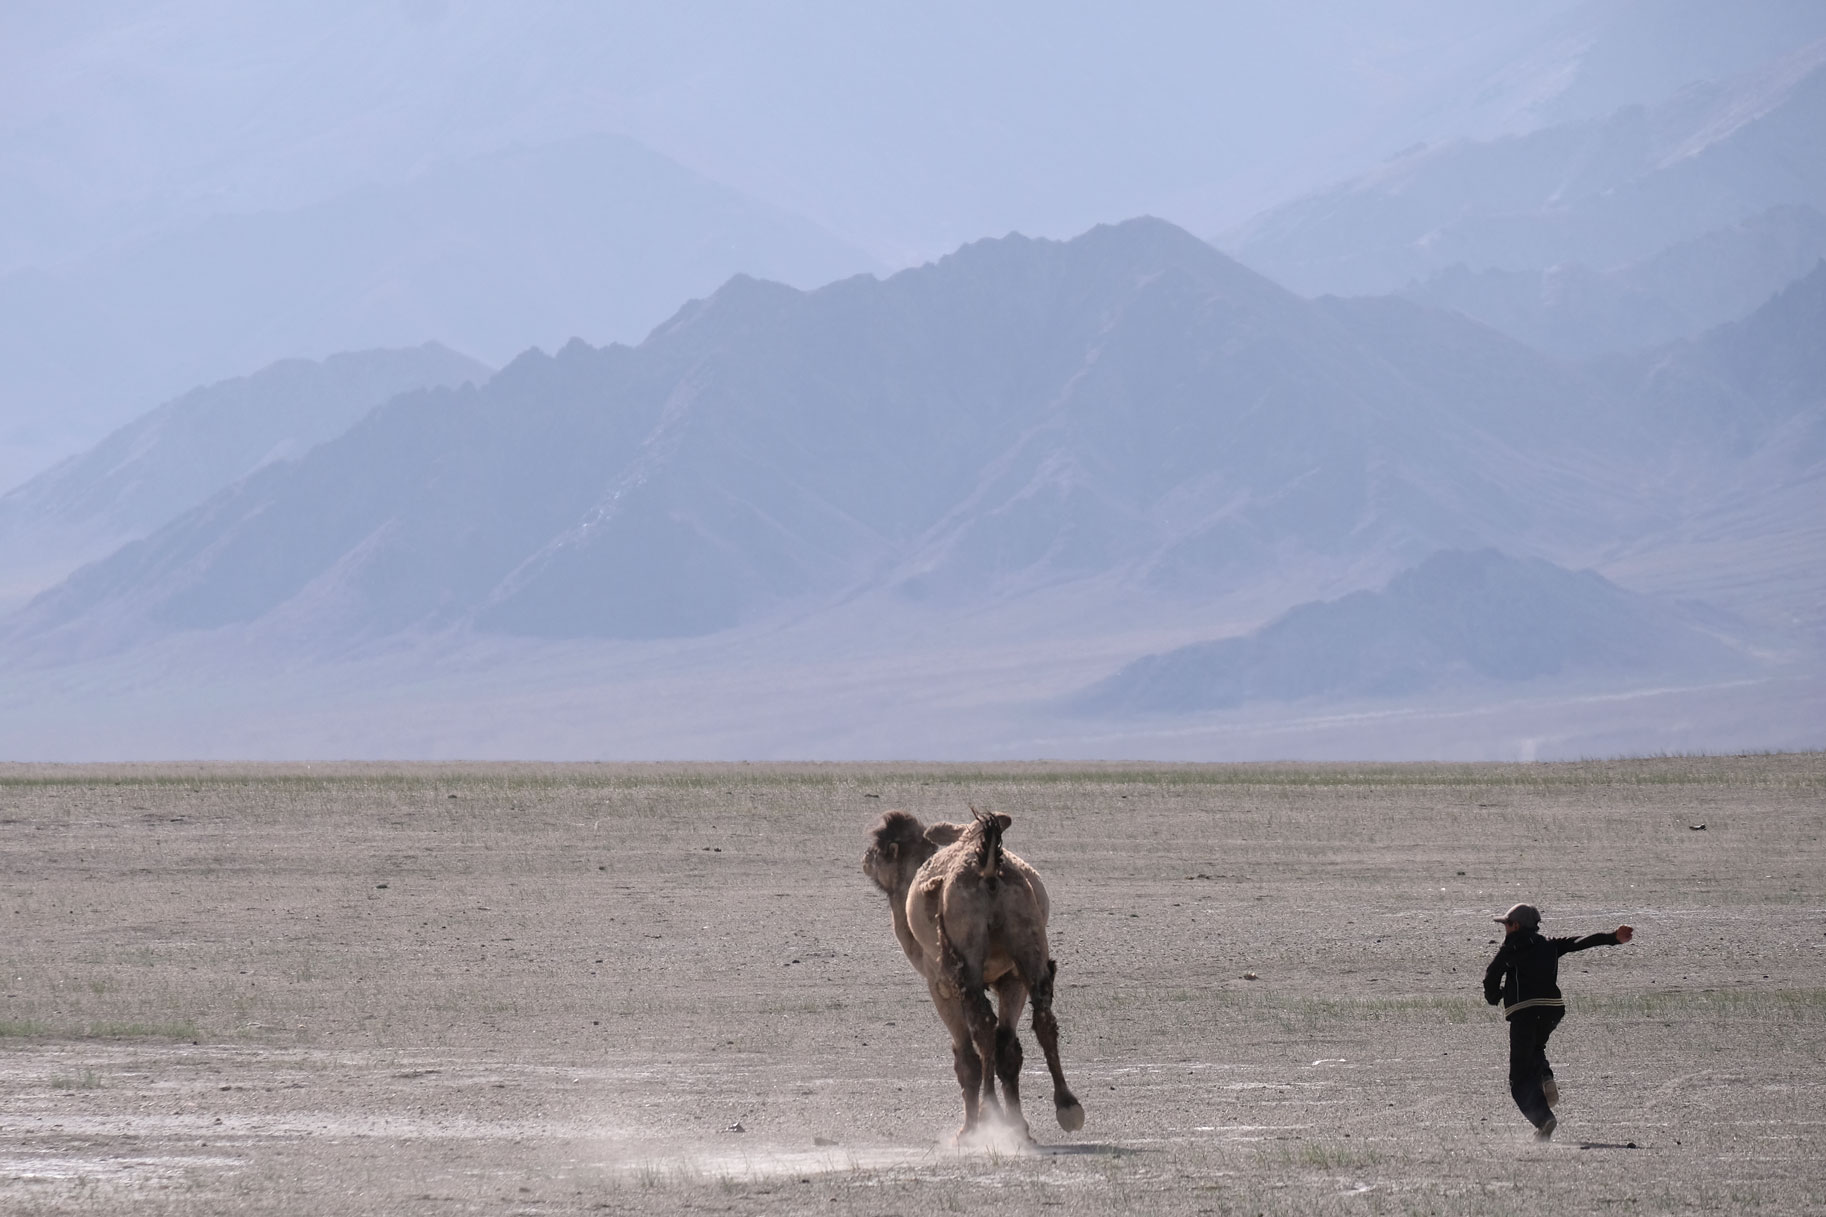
[1524,976]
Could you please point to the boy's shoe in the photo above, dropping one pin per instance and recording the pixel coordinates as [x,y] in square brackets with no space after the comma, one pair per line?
[1551,1089]
[1545,1131]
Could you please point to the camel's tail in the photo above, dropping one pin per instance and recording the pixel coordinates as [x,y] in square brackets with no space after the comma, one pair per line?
[988,856]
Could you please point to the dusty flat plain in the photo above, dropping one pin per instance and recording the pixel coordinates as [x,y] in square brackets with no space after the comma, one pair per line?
[526,989]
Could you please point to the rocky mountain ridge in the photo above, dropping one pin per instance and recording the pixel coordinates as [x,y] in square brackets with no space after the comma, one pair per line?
[1020,415]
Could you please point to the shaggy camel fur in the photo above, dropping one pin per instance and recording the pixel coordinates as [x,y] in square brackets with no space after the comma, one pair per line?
[971,916]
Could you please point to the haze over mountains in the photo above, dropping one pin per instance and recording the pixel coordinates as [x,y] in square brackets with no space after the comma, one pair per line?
[201,188]
[1018,414]
[1572,310]
[173,458]
[1601,193]
[1112,495]
[1014,434]
[524,247]
[1476,618]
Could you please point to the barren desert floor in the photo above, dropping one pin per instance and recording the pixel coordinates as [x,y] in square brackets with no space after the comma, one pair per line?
[669,989]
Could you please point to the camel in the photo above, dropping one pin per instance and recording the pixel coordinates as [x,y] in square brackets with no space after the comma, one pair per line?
[971,916]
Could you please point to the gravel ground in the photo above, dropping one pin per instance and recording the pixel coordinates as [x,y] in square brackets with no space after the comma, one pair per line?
[669,989]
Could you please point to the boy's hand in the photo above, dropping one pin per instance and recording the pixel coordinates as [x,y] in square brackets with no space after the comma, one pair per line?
[1625,933]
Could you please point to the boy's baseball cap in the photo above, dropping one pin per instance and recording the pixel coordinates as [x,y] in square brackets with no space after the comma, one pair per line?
[1525,915]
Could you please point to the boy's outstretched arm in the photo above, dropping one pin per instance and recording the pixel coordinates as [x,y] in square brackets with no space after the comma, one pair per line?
[1566,946]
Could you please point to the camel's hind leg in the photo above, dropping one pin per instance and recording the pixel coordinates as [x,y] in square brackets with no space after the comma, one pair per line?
[1010,1000]
[964,1059]
[979,1017]
[963,971]
[1046,1030]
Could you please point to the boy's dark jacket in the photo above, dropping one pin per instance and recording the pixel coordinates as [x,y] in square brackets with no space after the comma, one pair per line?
[1526,971]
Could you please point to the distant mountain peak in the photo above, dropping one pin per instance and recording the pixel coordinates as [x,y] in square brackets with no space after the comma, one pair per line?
[1603,191]
[169,460]
[1729,109]
[1461,617]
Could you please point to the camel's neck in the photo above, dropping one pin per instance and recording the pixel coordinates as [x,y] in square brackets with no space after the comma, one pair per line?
[897,903]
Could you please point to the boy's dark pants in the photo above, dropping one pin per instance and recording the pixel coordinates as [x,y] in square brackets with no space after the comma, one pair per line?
[1528,1067]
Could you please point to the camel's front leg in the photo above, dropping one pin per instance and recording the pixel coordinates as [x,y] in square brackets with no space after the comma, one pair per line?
[1010,999]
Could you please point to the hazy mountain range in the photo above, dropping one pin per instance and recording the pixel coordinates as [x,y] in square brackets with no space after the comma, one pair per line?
[908,133]
[1600,193]
[1735,387]
[1569,309]
[1459,618]
[597,236]
[1018,415]
[1545,476]
[1118,440]
[200,190]
[173,458]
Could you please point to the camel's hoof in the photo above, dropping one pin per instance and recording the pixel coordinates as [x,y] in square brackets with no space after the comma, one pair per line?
[1071,1115]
